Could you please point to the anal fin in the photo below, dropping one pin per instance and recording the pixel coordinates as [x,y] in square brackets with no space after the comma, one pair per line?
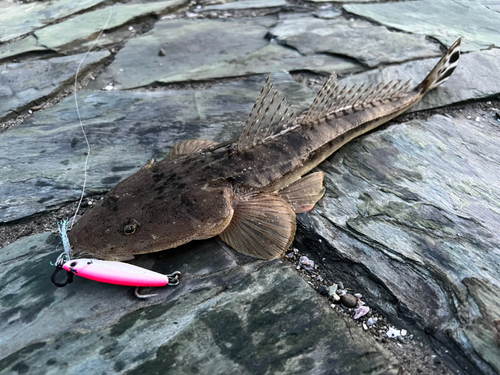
[263,225]
[189,147]
[303,194]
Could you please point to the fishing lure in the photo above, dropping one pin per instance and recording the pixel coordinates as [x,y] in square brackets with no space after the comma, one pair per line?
[110,272]
[117,273]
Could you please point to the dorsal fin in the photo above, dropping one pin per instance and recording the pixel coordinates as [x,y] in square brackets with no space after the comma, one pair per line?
[332,99]
[270,115]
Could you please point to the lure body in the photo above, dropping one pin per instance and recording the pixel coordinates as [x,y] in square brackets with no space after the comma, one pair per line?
[115,273]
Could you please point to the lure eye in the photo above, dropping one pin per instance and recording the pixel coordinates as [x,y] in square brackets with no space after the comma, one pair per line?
[73,264]
[129,229]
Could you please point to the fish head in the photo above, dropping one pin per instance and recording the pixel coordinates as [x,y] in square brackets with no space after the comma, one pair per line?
[154,209]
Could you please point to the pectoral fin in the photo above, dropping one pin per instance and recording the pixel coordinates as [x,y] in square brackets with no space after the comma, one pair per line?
[263,225]
[303,194]
[189,147]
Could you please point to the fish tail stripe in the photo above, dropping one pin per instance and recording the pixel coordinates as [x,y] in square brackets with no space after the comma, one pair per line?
[443,69]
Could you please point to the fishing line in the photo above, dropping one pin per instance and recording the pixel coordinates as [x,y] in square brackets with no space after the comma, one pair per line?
[80,119]
[63,225]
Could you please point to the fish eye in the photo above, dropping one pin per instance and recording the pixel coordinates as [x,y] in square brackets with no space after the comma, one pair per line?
[129,229]
[73,264]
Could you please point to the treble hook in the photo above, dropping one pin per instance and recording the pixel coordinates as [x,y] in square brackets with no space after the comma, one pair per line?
[173,280]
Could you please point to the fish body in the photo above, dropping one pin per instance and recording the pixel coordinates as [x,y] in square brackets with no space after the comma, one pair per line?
[248,190]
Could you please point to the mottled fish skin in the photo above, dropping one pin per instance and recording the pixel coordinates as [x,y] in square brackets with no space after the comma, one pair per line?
[194,196]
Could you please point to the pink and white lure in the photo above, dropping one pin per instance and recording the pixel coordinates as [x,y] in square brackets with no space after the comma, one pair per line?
[119,273]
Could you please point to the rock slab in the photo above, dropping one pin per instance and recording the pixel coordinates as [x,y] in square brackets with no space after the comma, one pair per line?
[420,202]
[369,44]
[21,84]
[444,20]
[225,307]
[19,19]
[204,50]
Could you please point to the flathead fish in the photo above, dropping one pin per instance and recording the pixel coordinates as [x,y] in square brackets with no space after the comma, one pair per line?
[246,191]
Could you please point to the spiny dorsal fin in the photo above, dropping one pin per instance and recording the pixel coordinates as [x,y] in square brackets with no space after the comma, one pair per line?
[332,99]
[270,115]
[189,147]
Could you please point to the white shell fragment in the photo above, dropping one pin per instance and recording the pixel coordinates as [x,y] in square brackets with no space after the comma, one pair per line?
[393,333]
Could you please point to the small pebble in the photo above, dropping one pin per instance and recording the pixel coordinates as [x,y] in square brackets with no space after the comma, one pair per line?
[401,339]
[365,327]
[372,321]
[341,285]
[323,290]
[335,298]
[357,295]
[130,28]
[403,332]
[162,52]
[333,289]
[306,263]
[348,300]
[290,255]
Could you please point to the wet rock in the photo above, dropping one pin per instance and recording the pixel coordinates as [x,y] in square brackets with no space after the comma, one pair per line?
[471,80]
[245,4]
[348,300]
[18,19]
[369,44]
[186,44]
[262,308]
[125,129]
[21,84]
[444,20]
[412,196]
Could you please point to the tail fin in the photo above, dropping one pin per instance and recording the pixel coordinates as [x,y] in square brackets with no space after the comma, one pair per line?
[443,69]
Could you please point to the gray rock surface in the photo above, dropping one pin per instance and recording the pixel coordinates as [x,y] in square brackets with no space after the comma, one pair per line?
[125,129]
[87,26]
[70,34]
[419,204]
[25,45]
[491,4]
[442,19]
[476,77]
[23,83]
[231,315]
[208,49]
[245,4]
[371,45]
[20,19]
